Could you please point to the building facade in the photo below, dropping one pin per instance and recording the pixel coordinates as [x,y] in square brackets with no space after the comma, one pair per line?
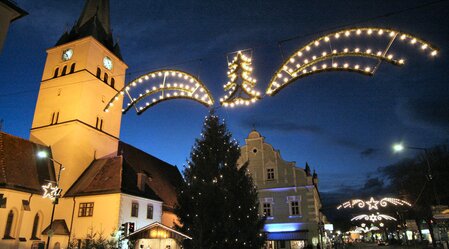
[288,195]
[104,181]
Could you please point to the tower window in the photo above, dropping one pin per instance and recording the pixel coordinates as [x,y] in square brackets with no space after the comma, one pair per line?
[35,227]
[105,79]
[8,227]
[54,117]
[72,68]
[134,209]
[98,72]
[64,70]
[99,124]
[56,72]
[112,82]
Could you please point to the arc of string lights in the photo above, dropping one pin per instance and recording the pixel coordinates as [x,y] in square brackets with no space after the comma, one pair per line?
[303,63]
[373,217]
[240,87]
[169,84]
[373,204]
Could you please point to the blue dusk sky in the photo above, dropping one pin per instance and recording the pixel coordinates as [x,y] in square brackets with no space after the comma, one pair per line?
[343,124]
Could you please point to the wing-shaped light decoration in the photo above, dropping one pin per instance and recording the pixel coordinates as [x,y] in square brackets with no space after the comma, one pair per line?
[373,217]
[373,203]
[240,87]
[162,85]
[337,52]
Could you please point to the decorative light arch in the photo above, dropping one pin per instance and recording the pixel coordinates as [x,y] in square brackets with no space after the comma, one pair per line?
[168,84]
[303,63]
[373,204]
[373,217]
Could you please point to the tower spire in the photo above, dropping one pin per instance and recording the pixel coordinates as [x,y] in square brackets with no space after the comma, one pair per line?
[98,9]
[94,21]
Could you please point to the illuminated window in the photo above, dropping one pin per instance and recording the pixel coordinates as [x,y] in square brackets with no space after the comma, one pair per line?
[35,227]
[8,227]
[135,209]
[150,211]
[86,209]
[294,208]
[270,174]
[267,209]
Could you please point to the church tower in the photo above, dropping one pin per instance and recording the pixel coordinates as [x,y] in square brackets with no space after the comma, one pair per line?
[82,73]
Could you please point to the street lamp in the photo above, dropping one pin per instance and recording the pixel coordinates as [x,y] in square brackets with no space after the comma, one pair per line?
[51,192]
[399,147]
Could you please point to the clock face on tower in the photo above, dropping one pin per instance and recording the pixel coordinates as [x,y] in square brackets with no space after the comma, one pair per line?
[107,62]
[67,54]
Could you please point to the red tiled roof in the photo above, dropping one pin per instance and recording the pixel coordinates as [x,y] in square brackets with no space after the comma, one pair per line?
[20,169]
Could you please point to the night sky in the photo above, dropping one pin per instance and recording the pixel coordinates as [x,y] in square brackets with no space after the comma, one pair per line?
[342,124]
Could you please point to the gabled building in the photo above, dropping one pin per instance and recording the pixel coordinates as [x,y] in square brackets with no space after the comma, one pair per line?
[105,182]
[288,195]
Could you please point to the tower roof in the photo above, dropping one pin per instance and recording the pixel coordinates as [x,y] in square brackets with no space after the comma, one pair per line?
[94,21]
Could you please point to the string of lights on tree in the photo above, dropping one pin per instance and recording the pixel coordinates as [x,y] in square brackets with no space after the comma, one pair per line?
[332,52]
[240,87]
[373,204]
[162,85]
[337,51]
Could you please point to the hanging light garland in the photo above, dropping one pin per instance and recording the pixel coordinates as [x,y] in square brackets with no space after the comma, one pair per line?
[162,85]
[240,87]
[373,204]
[328,57]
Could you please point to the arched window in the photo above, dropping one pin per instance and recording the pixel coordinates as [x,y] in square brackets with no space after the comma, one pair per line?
[56,72]
[64,70]
[105,79]
[35,227]
[57,245]
[98,72]
[72,68]
[8,227]
[112,82]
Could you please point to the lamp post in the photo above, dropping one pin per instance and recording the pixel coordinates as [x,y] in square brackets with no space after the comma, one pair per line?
[55,191]
[399,147]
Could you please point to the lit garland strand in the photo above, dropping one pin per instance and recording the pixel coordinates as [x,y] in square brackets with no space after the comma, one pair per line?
[373,204]
[167,84]
[303,63]
[373,217]
[240,87]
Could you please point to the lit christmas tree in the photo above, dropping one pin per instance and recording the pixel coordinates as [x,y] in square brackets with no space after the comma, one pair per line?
[240,87]
[217,203]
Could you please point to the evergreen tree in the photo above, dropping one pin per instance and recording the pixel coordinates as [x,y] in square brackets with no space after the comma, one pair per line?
[217,203]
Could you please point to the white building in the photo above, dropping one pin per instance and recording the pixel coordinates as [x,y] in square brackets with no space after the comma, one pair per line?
[105,182]
[288,195]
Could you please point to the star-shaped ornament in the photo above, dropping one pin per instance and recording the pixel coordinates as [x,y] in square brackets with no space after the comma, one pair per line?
[373,218]
[372,204]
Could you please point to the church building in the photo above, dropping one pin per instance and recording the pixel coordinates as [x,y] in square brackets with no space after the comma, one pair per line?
[96,182]
[288,196]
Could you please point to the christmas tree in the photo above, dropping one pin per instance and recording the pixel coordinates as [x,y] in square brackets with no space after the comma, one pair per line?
[217,203]
[240,87]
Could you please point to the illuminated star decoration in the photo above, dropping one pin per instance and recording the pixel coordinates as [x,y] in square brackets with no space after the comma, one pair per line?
[373,204]
[158,86]
[50,191]
[240,87]
[373,217]
[332,52]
